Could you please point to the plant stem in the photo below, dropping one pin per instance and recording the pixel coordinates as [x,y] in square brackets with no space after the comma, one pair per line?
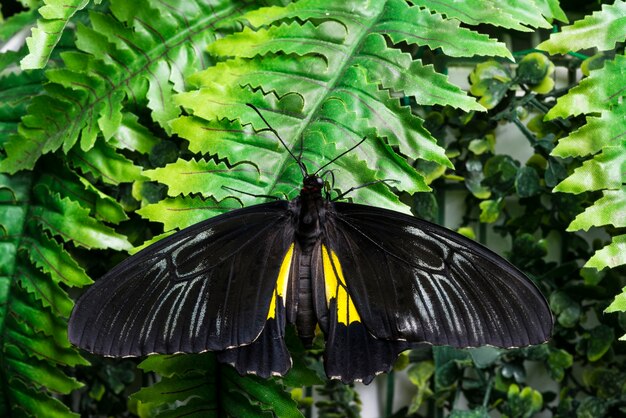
[391,386]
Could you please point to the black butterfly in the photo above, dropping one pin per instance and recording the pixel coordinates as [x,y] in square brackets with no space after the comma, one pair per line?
[374,280]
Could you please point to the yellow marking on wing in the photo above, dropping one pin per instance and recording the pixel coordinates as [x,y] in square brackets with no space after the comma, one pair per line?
[336,288]
[281,282]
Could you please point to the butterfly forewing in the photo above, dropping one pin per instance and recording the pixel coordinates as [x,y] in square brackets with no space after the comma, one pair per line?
[208,287]
[415,281]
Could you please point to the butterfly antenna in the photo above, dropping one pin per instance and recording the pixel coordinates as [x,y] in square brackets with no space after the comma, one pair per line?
[300,164]
[371,183]
[340,155]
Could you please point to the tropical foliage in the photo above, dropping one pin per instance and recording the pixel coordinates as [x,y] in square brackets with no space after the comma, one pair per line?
[123,121]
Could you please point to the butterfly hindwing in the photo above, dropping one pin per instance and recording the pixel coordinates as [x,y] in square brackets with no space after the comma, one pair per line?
[207,287]
[268,354]
[352,352]
[412,280]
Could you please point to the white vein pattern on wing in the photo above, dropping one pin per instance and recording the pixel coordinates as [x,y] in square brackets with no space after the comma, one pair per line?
[426,237]
[177,307]
[461,303]
[201,318]
[492,316]
[495,309]
[425,306]
[110,324]
[202,236]
[128,325]
[178,244]
[194,327]
[444,302]
[514,309]
[157,308]
[476,326]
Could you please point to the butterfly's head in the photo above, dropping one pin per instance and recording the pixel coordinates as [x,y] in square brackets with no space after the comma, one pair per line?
[312,183]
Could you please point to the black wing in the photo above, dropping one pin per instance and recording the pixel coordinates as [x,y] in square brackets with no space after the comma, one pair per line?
[207,287]
[415,281]
[352,352]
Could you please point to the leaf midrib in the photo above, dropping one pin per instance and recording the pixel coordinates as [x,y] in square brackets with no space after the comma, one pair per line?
[330,85]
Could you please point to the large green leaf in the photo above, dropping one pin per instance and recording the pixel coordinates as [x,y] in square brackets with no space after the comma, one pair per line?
[602,30]
[322,74]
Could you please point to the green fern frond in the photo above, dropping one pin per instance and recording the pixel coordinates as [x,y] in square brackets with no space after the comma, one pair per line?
[39,213]
[196,384]
[602,30]
[521,15]
[325,75]
[124,58]
[601,140]
[47,33]
[16,23]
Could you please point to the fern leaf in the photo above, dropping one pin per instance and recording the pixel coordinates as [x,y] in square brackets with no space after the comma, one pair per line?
[513,14]
[39,213]
[422,27]
[611,256]
[184,211]
[123,58]
[331,81]
[600,91]
[601,140]
[196,377]
[104,163]
[602,30]
[100,205]
[603,212]
[16,23]
[34,337]
[597,133]
[604,171]
[45,36]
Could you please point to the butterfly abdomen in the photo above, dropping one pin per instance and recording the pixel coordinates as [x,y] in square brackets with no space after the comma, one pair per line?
[305,316]
[311,209]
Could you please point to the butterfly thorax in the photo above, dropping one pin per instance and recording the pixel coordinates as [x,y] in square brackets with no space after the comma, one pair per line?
[310,207]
